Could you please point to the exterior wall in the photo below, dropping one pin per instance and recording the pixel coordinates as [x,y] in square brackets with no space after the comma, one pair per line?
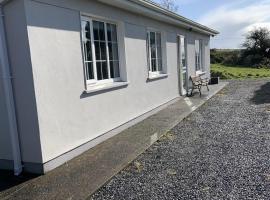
[18,49]
[191,37]
[47,61]
[67,117]
[5,150]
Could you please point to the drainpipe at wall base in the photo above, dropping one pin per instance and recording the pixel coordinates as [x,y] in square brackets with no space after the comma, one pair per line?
[6,77]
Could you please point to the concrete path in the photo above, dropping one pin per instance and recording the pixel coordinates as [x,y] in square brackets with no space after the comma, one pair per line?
[220,151]
[83,175]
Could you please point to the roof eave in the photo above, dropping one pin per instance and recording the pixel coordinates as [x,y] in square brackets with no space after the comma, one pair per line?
[155,11]
[3,2]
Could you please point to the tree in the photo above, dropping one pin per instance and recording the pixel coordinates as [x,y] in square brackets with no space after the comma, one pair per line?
[257,42]
[169,5]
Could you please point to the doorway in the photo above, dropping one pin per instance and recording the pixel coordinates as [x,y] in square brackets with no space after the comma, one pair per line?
[182,64]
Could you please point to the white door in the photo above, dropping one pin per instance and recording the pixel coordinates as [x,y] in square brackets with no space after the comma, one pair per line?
[182,64]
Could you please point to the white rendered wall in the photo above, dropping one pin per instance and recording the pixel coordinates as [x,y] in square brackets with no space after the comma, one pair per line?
[22,80]
[67,117]
[5,145]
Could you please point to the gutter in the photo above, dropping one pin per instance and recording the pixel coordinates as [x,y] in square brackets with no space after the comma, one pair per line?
[152,5]
[155,11]
[5,75]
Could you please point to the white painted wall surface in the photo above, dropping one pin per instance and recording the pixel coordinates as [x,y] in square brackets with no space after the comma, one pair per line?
[23,86]
[5,145]
[66,117]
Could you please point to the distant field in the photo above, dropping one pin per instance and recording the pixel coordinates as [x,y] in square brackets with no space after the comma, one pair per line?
[231,72]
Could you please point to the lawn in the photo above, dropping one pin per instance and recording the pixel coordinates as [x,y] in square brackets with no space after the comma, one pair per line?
[238,72]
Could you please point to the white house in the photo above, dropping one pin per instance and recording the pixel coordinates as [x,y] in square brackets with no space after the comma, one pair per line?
[75,72]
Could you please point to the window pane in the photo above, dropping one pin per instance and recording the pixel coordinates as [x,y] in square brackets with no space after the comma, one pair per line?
[159,65]
[110,51]
[152,38]
[86,31]
[184,77]
[153,46]
[159,59]
[102,70]
[184,63]
[114,69]
[97,50]
[114,33]
[111,69]
[154,65]
[183,52]
[100,49]
[88,51]
[103,51]
[159,53]
[198,55]
[109,32]
[99,71]
[105,70]
[115,51]
[158,39]
[197,46]
[147,50]
[89,71]
[153,52]
[96,30]
[101,31]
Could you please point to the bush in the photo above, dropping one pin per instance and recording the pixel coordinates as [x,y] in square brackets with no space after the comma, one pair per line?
[265,63]
[226,57]
[239,58]
[256,52]
[252,60]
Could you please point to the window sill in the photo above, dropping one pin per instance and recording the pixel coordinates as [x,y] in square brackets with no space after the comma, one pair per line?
[200,73]
[105,87]
[156,77]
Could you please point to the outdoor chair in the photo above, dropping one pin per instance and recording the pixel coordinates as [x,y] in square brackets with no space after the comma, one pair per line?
[198,83]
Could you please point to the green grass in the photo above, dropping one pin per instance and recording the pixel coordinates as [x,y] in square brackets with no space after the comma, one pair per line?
[238,72]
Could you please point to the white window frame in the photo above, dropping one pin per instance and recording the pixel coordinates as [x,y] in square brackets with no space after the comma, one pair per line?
[149,58]
[95,81]
[201,68]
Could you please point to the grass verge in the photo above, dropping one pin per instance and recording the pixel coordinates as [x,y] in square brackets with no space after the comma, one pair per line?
[236,72]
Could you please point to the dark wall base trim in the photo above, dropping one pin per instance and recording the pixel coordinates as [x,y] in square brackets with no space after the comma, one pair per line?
[6,164]
[35,168]
[52,164]
[42,168]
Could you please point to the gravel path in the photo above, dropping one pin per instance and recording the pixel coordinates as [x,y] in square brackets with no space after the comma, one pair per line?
[221,151]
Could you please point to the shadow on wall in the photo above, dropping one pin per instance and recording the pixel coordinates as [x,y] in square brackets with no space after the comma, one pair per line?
[262,95]
[8,180]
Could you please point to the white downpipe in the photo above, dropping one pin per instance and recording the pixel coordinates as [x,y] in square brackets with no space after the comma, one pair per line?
[6,76]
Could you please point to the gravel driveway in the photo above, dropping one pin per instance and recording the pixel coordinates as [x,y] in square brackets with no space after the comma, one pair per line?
[221,151]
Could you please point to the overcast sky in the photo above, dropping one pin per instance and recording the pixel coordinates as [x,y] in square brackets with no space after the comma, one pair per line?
[232,18]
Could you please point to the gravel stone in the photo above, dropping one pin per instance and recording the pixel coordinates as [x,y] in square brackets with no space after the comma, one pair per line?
[220,151]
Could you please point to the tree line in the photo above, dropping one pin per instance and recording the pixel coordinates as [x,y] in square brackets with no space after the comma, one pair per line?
[255,51]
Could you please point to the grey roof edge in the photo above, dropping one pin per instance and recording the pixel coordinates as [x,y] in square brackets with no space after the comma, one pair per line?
[154,10]
[159,8]
[3,2]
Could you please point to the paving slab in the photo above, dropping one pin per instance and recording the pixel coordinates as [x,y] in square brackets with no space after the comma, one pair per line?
[83,175]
